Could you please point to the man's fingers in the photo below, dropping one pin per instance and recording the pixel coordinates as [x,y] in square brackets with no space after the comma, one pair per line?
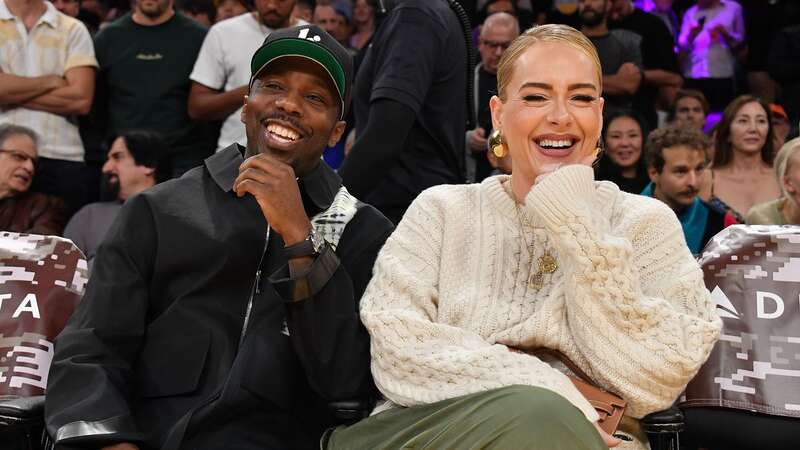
[267,163]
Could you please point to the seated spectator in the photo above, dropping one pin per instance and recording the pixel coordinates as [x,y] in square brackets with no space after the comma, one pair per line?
[68,7]
[132,166]
[781,127]
[690,109]
[741,171]
[334,17]
[786,209]
[554,259]
[497,32]
[711,33]
[676,161]
[623,162]
[21,210]
[202,11]
[304,10]
[230,8]
[784,67]
[363,23]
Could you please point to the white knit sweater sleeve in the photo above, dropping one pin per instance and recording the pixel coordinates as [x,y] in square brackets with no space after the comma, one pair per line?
[637,307]
[416,360]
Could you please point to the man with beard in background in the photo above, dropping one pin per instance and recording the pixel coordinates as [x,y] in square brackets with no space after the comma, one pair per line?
[221,72]
[130,168]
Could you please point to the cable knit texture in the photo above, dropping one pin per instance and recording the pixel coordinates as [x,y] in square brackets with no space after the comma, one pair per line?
[450,293]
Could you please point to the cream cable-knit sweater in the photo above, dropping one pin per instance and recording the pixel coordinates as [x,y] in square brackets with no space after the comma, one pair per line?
[450,291]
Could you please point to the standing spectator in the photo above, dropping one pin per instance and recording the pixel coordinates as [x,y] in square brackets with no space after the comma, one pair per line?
[620,55]
[711,33]
[131,167]
[741,172]
[363,23]
[497,32]
[676,162]
[334,18]
[690,109]
[661,72]
[410,107]
[221,74]
[663,10]
[145,60]
[623,161]
[68,7]
[304,9]
[21,210]
[47,75]
[786,209]
[784,66]
[230,8]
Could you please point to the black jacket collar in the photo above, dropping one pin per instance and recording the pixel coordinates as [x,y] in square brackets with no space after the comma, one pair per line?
[318,186]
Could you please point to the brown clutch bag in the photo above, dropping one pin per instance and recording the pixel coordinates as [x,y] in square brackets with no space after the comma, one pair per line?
[609,406]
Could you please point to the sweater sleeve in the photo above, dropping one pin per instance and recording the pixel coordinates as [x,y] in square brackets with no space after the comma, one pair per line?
[637,308]
[417,360]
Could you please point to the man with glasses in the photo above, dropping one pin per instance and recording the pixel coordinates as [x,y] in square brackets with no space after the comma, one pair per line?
[20,210]
[497,32]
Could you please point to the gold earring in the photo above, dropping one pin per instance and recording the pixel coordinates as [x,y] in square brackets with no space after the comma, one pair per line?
[597,152]
[497,143]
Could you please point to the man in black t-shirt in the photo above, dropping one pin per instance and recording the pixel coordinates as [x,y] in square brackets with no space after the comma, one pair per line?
[145,60]
[497,32]
[661,72]
[410,107]
[620,55]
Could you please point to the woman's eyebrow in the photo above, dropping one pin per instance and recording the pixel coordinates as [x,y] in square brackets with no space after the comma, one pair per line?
[571,87]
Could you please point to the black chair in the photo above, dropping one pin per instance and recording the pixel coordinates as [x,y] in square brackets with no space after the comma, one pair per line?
[21,422]
[663,428]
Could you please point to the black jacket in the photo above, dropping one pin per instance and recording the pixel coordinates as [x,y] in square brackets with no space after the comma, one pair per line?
[158,353]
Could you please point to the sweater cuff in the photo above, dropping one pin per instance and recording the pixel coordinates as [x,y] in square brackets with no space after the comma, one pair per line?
[562,194]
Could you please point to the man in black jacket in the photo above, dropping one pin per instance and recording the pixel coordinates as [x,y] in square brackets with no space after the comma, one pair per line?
[223,306]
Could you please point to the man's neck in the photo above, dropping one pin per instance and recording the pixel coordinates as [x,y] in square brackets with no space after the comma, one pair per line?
[598,30]
[6,193]
[711,5]
[147,21]
[27,10]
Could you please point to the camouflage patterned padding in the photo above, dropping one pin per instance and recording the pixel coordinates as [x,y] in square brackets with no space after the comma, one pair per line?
[753,273]
[41,281]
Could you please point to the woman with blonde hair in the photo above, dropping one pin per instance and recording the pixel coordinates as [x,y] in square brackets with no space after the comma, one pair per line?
[786,209]
[477,277]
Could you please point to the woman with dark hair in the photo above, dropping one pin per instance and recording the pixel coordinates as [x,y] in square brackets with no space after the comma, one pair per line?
[741,171]
[623,162]
[363,22]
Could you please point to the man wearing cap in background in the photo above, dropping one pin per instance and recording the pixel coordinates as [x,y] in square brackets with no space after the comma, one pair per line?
[222,311]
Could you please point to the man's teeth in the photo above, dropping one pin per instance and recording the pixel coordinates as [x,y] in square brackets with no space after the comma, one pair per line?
[561,143]
[283,132]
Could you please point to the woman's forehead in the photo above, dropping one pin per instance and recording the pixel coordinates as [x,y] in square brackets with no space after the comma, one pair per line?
[555,63]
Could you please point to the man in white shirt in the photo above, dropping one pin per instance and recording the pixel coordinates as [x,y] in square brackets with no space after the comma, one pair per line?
[47,73]
[221,73]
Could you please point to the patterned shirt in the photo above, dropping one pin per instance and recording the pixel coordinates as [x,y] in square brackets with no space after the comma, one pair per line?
[55,44]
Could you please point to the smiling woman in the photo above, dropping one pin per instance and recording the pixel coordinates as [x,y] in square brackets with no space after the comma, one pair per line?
[622,162]
[477,278]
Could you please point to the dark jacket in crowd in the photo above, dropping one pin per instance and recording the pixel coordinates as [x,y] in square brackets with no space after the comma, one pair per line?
[32,212]
[188,335]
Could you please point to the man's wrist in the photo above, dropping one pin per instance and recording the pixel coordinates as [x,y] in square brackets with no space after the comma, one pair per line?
[296,236]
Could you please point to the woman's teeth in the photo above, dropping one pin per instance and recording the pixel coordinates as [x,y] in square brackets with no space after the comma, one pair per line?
[551,143]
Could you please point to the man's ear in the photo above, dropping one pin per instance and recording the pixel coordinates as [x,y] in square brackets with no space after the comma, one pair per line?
[653,174]
[337,132]
[244,109]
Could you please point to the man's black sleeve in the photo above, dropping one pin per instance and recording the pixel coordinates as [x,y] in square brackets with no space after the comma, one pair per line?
[658,49]
[377,146]
[325,327]
[90,378]
[784,56]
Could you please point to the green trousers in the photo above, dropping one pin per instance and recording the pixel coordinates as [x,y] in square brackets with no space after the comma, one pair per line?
[514,417]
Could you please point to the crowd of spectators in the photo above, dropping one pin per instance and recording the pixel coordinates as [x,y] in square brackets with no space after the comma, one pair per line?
[77,75]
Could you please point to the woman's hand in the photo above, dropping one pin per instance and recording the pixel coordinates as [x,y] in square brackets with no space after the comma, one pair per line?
[610,440]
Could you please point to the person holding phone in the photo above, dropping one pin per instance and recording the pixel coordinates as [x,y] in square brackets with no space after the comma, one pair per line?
[476,277]
[711,33]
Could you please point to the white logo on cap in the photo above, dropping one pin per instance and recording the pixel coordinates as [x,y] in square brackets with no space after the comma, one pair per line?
[304,35]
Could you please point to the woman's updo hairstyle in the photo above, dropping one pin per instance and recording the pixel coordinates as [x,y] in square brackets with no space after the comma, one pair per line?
[544,33]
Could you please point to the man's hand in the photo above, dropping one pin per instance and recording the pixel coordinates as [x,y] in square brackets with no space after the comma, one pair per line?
[122,446]
[274,185]
[53,81]
[476,139]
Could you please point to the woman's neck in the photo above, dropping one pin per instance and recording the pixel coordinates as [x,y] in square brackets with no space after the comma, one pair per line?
[629,172]
[746,162]
[520,187]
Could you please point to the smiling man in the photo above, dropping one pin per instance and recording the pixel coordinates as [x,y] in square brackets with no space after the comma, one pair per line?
[222,311]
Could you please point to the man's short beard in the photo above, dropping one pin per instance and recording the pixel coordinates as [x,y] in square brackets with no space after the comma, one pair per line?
[109,190]
[593,20]
[155,12]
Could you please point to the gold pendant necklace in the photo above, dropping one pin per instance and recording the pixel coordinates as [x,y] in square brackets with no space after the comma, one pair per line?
[547,264]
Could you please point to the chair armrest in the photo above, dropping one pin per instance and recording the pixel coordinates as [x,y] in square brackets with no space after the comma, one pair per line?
[667,421]
[351,411]
[22,407]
